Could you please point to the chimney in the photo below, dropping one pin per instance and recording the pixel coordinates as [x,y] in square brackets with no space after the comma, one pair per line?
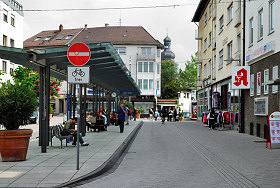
[85,26]
[60,27]
[106,25]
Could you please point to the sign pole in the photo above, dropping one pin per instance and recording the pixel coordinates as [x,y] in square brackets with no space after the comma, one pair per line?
[78,125]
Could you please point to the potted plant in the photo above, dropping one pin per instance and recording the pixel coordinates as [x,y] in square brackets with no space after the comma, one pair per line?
[139,112]
[51,112]
[17,103]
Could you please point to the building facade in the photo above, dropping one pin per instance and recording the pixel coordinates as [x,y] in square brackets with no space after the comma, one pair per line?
[140,52]
[263,57]
[219,50]
[11,33]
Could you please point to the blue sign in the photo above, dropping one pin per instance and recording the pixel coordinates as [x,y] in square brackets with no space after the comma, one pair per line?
[127,92]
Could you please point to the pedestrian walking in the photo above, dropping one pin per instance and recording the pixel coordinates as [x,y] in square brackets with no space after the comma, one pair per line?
[170,114]
[134,114]
[127,115]
[151,113]
[175,114]
[156,115]
[121,117]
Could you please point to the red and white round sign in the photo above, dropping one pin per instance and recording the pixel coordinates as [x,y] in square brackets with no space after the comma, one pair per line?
[78,54]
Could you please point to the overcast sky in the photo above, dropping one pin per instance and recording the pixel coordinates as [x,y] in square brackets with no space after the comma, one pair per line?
[157,21]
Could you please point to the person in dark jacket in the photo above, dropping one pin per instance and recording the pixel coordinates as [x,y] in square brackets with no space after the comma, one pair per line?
[212,119]
[121,117]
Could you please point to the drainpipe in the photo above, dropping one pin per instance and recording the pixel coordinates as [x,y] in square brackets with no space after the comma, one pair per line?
[242,107]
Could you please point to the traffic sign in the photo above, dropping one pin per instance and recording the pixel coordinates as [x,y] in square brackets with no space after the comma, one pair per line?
[78,75]
[78,54]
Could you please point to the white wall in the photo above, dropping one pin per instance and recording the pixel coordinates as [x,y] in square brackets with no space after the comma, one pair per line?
[12,32]
[130,57]
[252,9]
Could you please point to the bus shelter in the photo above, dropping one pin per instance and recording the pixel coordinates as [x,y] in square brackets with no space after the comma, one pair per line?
[108,74]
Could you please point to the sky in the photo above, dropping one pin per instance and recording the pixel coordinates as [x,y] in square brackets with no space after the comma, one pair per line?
[176,21]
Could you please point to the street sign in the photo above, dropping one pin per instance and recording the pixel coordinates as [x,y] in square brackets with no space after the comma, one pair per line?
[78,54]
[127,92]
[241,77]
[78,75]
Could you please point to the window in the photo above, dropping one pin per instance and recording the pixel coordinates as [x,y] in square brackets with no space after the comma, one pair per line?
[210,39]
[151,66]
[158,52]
[210,11]
[198,70]
[205,71]
[157,85]
[11,68]
[37,39]
[48,38]
[12,20]
[151,84]
[145,84]
[260,24]
[221,21]
[140,83]
[60,37]
[4,66]
[145,66]
[121,50]
[214,67]
[221,59]
[140,66]
[158,68]
[274,77]
[4,40]
[210,66]
[229,51]
[205,19]
[239,43]
[12,43]
[259,83]
[265,79]
[205,44]
[252,85]
[229,12]
[5,15]
[251,32]
[68,37]
[271,16]
[146,51]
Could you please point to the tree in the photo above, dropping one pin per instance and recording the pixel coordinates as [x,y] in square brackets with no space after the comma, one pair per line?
[30,77]
[187,78]
[169,72]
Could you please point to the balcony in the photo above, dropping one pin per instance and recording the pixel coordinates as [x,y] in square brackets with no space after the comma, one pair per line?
[197,36]
[199,58]
[237,17]
[214,12]
[146,57]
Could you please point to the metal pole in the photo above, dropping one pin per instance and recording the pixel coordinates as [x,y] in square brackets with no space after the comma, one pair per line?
[47,127]
[41,105]
[79,124]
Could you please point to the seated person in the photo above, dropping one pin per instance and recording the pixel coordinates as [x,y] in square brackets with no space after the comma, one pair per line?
[70,126]
[112,118]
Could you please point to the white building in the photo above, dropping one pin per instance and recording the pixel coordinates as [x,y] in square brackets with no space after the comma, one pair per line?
[11,32]
[185,98]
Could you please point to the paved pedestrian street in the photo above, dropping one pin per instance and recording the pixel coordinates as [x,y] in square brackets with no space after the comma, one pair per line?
[188,154]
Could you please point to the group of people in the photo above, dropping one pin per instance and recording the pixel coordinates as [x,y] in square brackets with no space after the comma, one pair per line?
[171,114]
[119,117]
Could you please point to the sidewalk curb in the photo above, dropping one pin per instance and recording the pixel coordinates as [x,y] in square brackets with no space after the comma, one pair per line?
[107,164]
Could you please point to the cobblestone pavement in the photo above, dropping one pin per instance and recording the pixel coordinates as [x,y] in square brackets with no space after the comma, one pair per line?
[188,154]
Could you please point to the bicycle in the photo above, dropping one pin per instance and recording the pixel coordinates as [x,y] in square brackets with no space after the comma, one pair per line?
[78,72]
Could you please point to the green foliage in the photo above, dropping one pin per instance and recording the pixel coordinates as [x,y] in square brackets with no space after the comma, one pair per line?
[32,78]
[18,102]
[51,109]
[168,77]
[140,110]
[173,81]
[129,104]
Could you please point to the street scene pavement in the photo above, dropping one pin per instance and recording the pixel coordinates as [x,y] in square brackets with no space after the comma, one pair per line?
[58,166]
[188,154]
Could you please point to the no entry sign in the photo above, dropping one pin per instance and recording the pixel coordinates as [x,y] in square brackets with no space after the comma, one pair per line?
[78,54]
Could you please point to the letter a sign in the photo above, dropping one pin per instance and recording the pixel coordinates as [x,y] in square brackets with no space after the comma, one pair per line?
[241,77]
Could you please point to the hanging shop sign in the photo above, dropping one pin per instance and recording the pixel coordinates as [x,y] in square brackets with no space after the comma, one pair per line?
[241,77]
[273,134]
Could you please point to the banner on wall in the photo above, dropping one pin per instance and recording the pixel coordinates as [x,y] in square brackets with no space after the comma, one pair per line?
[241,77]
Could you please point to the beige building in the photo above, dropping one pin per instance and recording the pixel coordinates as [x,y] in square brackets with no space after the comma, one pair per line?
[219,49]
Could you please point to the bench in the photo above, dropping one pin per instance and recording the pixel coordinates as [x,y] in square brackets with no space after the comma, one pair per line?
[56,131]
[94,123]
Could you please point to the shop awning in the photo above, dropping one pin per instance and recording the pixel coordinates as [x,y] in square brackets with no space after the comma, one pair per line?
[106,67]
